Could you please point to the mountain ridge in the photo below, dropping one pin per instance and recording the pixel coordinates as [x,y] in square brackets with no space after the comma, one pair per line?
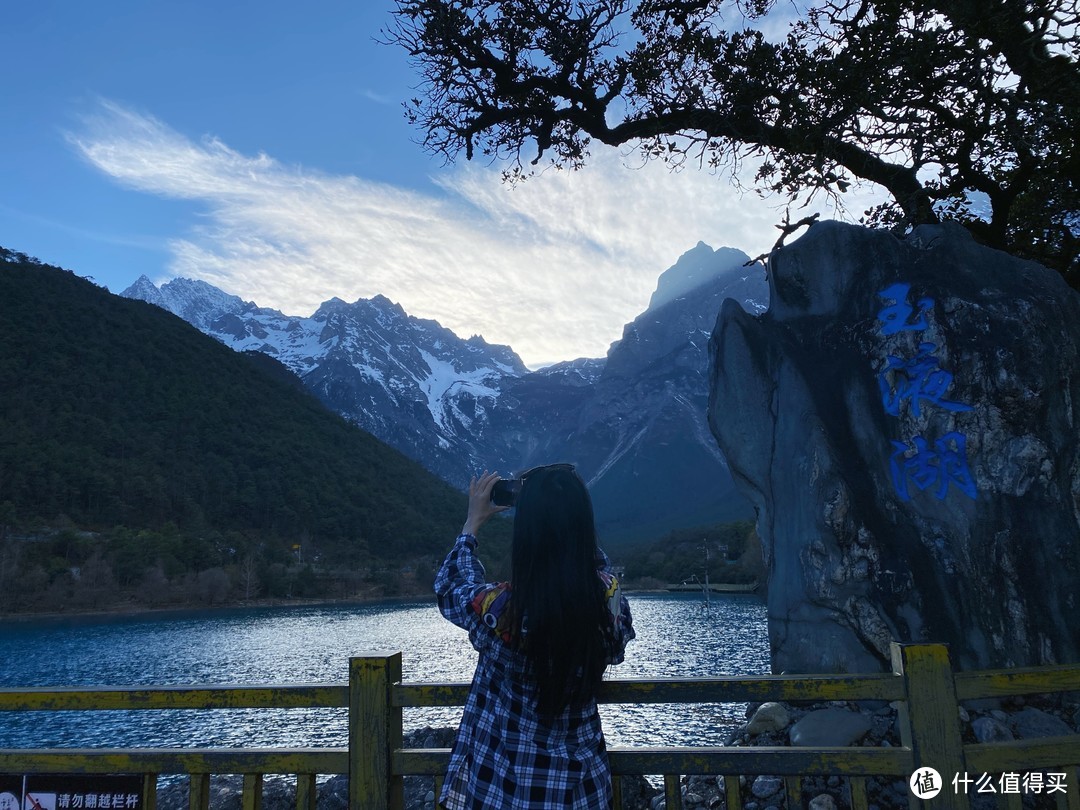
[633,421]
[117,413]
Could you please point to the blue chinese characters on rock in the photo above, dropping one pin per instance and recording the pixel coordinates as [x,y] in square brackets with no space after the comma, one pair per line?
[919,383]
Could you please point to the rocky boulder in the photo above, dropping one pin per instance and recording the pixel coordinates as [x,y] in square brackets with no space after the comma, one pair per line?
[830,727]
[903,419]
[768,717]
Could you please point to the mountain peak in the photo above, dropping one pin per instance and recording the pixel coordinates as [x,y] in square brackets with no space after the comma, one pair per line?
[144,290]
[197,302]
[697,266]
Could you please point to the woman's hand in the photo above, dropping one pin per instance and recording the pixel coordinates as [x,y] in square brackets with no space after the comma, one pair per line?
[480,506]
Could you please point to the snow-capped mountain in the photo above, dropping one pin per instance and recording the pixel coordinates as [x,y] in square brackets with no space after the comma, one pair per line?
[408,381]
[633,422]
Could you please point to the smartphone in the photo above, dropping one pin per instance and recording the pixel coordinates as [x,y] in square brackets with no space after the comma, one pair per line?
[505,491]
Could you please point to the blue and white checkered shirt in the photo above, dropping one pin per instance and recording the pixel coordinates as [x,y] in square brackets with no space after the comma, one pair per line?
[503,756]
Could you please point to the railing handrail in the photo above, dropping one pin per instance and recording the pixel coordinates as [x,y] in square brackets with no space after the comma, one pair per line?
[204,696]
[723,689]
[992,683]
[710,760]
[713,689]
[175,760]
[973,685]
[726,689]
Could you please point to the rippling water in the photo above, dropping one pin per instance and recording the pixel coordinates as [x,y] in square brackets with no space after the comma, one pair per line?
[675,638]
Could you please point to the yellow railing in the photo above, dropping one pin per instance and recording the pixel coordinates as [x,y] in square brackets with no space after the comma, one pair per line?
[922,684]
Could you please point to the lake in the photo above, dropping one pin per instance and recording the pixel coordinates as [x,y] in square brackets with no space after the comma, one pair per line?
[675,637]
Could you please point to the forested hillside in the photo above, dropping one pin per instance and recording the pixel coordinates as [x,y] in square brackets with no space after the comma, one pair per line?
[138,451]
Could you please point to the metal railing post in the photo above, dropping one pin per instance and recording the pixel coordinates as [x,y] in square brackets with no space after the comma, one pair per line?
[199,791]
[375,731]
[929,718]
[251,799]
[150,791]
[307,791]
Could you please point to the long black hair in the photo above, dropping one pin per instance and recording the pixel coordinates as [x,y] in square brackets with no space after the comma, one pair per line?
[556,592]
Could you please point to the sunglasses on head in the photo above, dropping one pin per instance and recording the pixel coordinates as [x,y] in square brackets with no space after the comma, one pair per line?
[531,470]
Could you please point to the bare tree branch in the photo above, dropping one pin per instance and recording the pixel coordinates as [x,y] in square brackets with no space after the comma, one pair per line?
[933,100]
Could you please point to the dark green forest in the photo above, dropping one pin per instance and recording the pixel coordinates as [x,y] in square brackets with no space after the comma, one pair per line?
[143,462]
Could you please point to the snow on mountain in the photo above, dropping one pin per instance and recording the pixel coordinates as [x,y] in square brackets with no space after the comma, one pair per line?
[144,290]
[634,422]
[446,381]
[368,360]
[583,370]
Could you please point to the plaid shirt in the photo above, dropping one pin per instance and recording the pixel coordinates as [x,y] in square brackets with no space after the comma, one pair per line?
[503,756]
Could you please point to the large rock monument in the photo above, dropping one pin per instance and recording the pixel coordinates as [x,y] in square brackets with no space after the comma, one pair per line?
[904,419]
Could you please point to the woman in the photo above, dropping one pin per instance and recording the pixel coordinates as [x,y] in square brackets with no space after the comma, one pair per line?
[530,736]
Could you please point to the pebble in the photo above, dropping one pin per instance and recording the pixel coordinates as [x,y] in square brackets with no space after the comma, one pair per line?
[766,786]
[1032,722]
[830,727]
[823,802]
[768,717]
[990,729]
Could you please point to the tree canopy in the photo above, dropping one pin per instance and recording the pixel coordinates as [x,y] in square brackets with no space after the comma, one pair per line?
[939,102]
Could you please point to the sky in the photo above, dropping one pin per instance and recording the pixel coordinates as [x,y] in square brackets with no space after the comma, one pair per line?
[262,147]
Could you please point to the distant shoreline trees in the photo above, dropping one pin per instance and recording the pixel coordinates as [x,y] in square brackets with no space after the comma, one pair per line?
[70,570]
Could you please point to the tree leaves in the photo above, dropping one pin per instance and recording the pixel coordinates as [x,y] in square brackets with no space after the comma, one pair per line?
[932,100]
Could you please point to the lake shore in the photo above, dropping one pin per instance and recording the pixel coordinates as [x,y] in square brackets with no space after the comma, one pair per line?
[129,609]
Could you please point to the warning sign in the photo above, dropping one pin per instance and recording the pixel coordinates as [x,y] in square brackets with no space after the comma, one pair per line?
[10,792]
[66,791]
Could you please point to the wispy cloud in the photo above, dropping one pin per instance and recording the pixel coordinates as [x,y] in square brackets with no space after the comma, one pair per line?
[380,98]
[553,267]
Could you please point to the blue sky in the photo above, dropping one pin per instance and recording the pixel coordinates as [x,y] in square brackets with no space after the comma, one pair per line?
[261,146]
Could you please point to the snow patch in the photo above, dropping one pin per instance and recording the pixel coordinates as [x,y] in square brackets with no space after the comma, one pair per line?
[370,371]
[445,381]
